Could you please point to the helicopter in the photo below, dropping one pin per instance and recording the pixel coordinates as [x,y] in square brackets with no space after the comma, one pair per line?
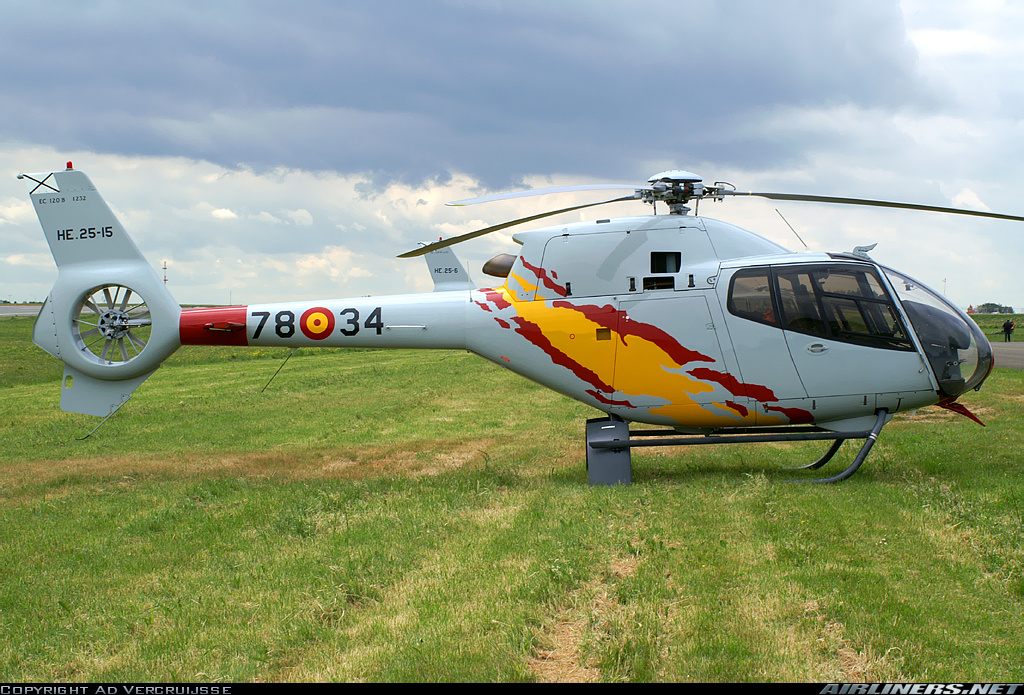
[703,331]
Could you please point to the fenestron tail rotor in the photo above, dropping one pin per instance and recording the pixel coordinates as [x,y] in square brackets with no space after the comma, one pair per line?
[112,325]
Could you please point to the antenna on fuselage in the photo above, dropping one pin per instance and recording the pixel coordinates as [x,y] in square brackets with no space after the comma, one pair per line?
[287,357]
[791,228]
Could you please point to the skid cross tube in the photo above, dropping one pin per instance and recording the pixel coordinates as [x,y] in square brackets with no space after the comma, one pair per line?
[619,439]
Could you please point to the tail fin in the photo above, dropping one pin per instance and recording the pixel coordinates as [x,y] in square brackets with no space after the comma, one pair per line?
[109,317]
[446,271]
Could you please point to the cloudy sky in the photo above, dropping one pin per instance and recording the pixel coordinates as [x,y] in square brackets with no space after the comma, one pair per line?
[269,151]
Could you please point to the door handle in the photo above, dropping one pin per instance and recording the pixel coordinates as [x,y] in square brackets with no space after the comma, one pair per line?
[817,348]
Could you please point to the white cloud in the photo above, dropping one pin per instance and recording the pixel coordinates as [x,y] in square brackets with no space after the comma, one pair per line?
[955,42]
[265,216]
[14,211]
[26,259]
[300,217]
[969,199]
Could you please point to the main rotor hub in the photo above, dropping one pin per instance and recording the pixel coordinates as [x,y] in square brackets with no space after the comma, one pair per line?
[675,188]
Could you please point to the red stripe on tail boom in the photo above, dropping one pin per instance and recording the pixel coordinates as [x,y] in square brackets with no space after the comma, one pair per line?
[218,326]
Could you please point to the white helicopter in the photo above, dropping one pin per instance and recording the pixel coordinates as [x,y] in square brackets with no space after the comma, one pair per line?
[709,332]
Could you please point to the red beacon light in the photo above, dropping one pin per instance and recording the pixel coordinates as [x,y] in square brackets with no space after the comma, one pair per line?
[70,167]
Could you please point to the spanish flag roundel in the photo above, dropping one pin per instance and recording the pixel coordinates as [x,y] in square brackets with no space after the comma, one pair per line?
[317,323]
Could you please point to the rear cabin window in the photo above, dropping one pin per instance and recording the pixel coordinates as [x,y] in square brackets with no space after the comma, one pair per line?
[750,295]
[844,303]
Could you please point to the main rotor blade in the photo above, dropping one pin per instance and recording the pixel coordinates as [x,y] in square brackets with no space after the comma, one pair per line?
[553,189]
[504,225]
[874,203]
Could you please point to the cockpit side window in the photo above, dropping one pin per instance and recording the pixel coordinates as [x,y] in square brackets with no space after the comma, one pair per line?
[845,303]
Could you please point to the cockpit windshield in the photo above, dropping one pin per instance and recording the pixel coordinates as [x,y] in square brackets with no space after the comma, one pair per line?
[959,353]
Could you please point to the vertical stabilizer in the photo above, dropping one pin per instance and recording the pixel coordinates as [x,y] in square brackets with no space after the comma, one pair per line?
[447,271]
[78,225]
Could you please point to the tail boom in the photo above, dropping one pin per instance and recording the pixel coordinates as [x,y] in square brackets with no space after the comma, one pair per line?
[434,320]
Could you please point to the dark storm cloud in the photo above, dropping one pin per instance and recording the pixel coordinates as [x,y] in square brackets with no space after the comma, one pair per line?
[414,90]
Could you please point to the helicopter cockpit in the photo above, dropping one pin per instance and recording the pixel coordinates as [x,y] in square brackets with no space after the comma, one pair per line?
[844,301]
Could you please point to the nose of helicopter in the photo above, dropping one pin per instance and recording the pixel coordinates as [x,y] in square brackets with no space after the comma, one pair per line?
[958,352]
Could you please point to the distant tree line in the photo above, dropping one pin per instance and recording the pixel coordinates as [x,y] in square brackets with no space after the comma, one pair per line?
[993,308]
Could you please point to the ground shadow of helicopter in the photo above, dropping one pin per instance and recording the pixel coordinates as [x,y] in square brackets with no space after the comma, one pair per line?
[706,331]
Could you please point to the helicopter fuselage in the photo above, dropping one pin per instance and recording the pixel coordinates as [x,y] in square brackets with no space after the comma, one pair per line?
[672,320]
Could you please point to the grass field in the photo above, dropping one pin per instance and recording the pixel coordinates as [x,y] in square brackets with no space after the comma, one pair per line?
[425,516]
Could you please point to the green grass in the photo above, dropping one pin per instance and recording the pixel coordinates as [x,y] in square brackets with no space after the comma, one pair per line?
[425,516]
[21,362]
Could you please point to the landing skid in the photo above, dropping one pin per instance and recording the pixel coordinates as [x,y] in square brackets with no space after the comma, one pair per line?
[609,442]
